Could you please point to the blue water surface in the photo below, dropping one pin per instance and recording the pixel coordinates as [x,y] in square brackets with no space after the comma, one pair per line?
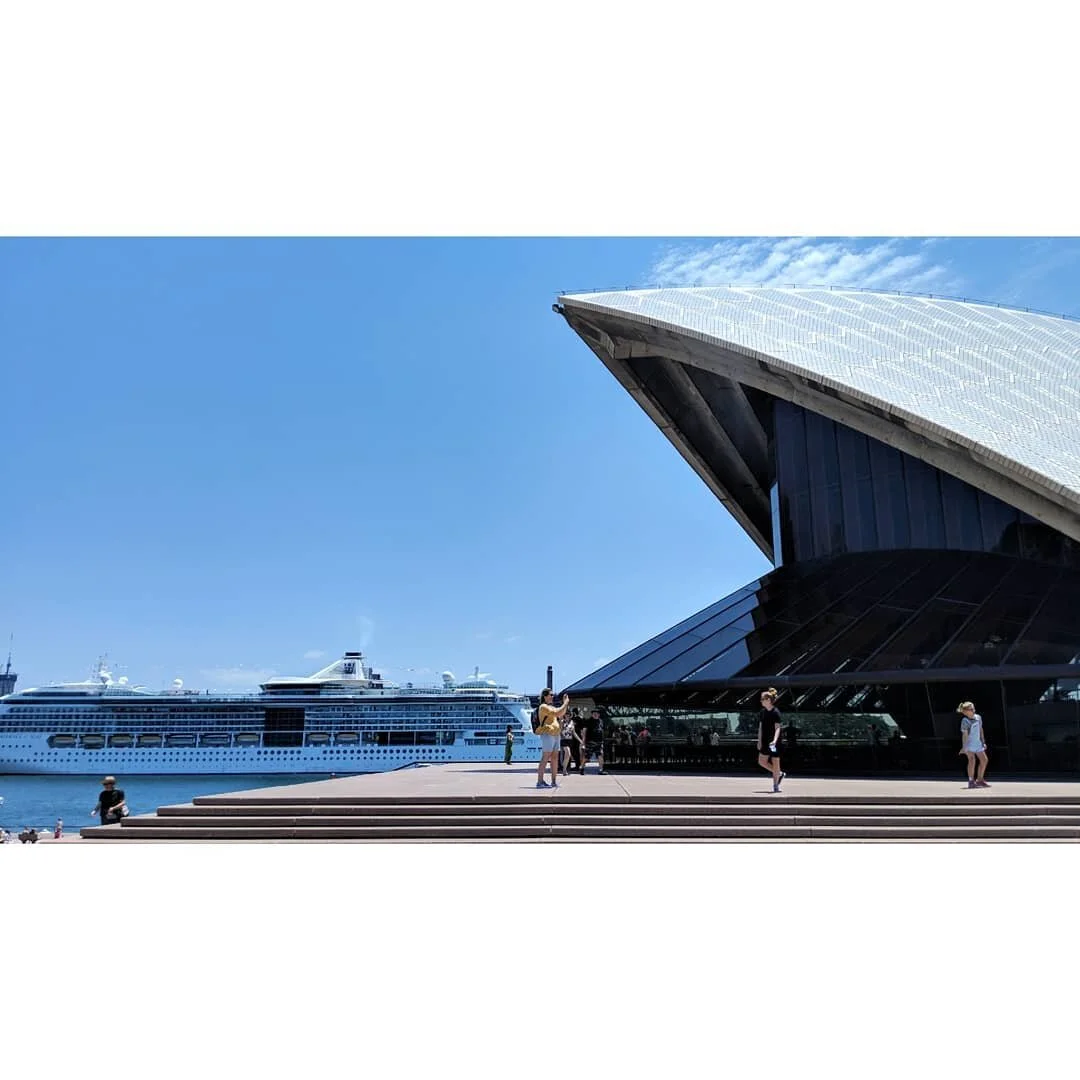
[40,800]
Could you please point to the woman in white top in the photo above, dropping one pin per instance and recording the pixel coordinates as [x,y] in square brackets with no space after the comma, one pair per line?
[973,743]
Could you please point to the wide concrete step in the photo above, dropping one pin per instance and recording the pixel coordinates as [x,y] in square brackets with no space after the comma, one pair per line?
[490,811]
[627,820]
[302,838]
[963,797]
[542,830]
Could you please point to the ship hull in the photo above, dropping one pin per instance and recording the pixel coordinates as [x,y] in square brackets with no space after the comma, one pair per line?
[31,755]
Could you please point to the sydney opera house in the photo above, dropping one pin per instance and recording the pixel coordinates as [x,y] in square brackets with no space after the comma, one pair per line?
[911,467]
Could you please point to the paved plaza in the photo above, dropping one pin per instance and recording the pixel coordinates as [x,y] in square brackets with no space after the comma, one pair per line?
[483,780]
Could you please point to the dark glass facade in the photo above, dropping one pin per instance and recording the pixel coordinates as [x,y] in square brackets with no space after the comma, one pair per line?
[942,613]
[840,491]
[902,591]
[1032,726]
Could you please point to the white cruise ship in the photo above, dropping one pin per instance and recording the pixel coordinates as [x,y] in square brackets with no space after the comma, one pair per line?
[343,719]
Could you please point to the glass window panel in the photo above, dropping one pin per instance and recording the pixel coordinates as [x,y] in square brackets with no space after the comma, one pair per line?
[890,501]
[850,650]
[896,497]
[927,579]
[726,666]
[963,527]
[916,644]
[853,525]
[1046,646]
[992,630]
[697,655]
[659,657]
[856,490]
[842,578]
[867,529]
[853,458]
[984,642]
[734,602]
[1053,636]
[924,504]
[999,525]
[795,649]
[621,663]
[732,616]
[829,521]
[790,436]
[858,446]
[1042,725]
[974,582]
[821,458]
[1032,579]
[802,525]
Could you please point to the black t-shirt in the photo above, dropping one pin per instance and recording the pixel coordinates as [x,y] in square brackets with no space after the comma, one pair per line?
[593,730]
[767,721]
[110,799]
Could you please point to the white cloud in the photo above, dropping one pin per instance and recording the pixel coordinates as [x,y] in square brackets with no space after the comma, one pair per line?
[600,661]
[366,629]
[512,638]
[875,264]
[1037,261]
[237,677]
[314,654]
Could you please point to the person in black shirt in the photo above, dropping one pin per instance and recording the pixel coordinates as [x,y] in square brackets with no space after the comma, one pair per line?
[768,742]
[110,802]
[568,742]
[592,742]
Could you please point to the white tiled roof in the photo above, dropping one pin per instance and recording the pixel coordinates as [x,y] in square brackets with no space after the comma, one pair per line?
[1005,383]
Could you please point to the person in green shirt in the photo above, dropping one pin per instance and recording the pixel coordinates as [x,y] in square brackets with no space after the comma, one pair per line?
[509,743]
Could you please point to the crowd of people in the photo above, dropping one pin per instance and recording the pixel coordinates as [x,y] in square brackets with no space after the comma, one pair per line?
[569,740]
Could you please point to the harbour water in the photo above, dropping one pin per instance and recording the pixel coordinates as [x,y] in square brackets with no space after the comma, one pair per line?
[39,800]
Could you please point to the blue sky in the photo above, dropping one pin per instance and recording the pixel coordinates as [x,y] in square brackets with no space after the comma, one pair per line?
[231,458]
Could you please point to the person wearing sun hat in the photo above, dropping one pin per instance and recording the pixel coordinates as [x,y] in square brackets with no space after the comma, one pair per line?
[110,804]
[973,744]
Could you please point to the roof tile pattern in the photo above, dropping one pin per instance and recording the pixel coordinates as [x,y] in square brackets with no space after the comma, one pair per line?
[1002,382]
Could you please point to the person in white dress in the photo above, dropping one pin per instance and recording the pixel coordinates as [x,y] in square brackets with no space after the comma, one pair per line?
[973,744]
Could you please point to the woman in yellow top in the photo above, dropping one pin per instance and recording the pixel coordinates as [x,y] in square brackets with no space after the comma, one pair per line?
[550,731]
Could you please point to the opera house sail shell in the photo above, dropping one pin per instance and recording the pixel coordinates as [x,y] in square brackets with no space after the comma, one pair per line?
[911,467]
